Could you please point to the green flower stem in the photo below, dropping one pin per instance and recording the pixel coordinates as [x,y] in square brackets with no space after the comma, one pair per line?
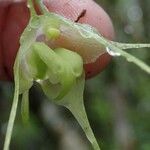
[42,6]
[130,58]
[13,112]
[31,7]
[131,45]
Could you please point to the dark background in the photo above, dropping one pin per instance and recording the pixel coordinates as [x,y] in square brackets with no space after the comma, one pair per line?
[117,100]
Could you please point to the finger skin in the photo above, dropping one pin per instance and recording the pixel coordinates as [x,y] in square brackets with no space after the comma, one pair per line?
[82,11]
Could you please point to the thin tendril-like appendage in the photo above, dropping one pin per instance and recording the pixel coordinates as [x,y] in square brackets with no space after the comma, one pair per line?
[118,47]
[13,111]
[75,103]
[131,58]
[31,7]
[130,45]
[42,6]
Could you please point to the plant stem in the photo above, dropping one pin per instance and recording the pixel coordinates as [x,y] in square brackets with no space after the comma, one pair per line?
[31,7]
[42,6]
[130,58]
[11,119]
[130,45]
[13,111]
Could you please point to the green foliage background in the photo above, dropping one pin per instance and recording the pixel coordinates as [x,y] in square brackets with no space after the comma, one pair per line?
[117,100]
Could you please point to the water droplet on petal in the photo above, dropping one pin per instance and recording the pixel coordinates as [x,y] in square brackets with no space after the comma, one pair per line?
[112,52]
